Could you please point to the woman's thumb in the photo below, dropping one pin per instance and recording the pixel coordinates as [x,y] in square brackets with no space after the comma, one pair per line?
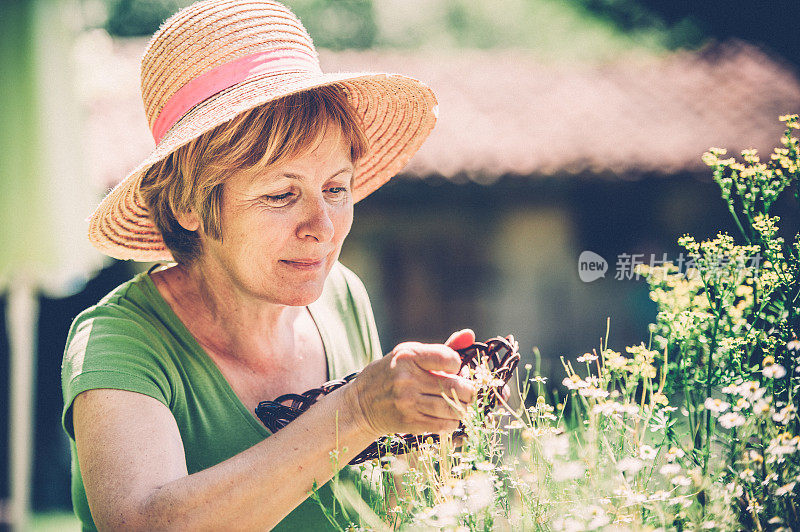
[461,339]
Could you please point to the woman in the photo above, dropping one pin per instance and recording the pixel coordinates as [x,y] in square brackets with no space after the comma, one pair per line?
[259,158]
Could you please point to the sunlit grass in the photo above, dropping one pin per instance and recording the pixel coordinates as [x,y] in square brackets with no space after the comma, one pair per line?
[55,522]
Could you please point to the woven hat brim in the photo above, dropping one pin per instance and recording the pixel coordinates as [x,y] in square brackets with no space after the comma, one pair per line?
[397,113]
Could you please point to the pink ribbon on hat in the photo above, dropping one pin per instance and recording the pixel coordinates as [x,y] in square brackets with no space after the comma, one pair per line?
[224,77]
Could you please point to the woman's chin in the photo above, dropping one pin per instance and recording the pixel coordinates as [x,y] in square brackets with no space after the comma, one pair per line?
[299,296]
[301,287]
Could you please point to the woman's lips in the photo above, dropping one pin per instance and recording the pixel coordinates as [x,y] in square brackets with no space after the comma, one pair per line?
[304,264]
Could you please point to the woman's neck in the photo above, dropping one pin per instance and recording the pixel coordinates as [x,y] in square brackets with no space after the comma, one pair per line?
[223,320]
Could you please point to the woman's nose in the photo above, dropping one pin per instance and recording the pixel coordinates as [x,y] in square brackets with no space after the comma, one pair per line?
[317,222]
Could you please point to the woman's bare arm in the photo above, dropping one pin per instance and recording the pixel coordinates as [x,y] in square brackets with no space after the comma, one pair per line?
[135,474]
[132,459]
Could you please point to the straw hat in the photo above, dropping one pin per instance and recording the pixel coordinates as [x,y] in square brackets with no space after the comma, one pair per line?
[218,58]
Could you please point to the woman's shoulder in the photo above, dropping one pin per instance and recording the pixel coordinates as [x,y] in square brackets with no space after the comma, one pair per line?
[130,301]
[128,321]
[125,294]
[116,343]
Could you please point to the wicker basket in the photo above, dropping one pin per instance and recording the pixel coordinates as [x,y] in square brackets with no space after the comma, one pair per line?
[500,354]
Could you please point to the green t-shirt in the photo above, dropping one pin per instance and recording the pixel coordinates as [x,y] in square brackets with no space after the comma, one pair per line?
[132,340]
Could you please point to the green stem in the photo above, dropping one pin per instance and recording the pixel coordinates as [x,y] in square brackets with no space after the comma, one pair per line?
[738,223]
[789,360]
[689,402]
[709,374]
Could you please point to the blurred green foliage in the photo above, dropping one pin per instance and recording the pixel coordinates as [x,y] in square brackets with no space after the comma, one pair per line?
[771,24]
[552,28]
[574,29]
[335,24]
[128,18]
[338,24]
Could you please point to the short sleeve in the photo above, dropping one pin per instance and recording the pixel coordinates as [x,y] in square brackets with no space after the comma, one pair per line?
[108,349]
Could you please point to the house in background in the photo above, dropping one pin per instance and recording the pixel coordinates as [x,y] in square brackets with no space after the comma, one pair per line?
[531,163]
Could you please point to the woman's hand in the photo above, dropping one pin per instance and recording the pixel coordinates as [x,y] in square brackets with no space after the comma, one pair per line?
[403,391]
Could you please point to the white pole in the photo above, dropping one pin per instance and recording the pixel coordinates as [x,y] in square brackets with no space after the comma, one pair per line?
[21,315]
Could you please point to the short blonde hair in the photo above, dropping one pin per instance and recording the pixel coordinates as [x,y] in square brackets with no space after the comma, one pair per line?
[193,176]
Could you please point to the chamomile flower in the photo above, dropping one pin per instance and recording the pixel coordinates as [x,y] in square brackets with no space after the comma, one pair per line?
[754,456]
[748,475]
[750,390]
[630,465]
[479,489]
[669,470]
[681,480]
[741,404]
[731,420]
[593,392]
[647,453]
[574,382]
[734,489]
[660,399]
[568,471]
[675,453]
[762,406]
[555,446]
[774,371]
[716,405]
[785,415]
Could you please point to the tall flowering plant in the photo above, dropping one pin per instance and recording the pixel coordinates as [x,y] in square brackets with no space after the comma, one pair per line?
[697,429]
[729,326]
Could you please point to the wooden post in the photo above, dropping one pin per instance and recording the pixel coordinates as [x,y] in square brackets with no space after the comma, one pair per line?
[22,314]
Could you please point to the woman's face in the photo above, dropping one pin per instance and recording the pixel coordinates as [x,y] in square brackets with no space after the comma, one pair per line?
[283,228]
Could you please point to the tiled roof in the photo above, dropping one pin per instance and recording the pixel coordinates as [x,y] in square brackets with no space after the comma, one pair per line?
[504,112]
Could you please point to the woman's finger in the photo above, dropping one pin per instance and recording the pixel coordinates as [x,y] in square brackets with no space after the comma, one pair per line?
[461,339]
[436,407]
[438,383]
[430,357]
[446,384]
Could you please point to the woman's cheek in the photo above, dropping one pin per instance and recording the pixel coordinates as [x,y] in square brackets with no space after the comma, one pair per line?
[346,221]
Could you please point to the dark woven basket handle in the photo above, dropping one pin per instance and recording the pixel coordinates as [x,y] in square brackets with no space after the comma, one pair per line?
[501,355]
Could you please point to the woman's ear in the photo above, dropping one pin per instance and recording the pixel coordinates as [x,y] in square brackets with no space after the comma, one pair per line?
[189,220]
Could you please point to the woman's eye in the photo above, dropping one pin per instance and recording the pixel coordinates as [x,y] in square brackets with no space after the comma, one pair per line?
[279,199]
[337,190]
